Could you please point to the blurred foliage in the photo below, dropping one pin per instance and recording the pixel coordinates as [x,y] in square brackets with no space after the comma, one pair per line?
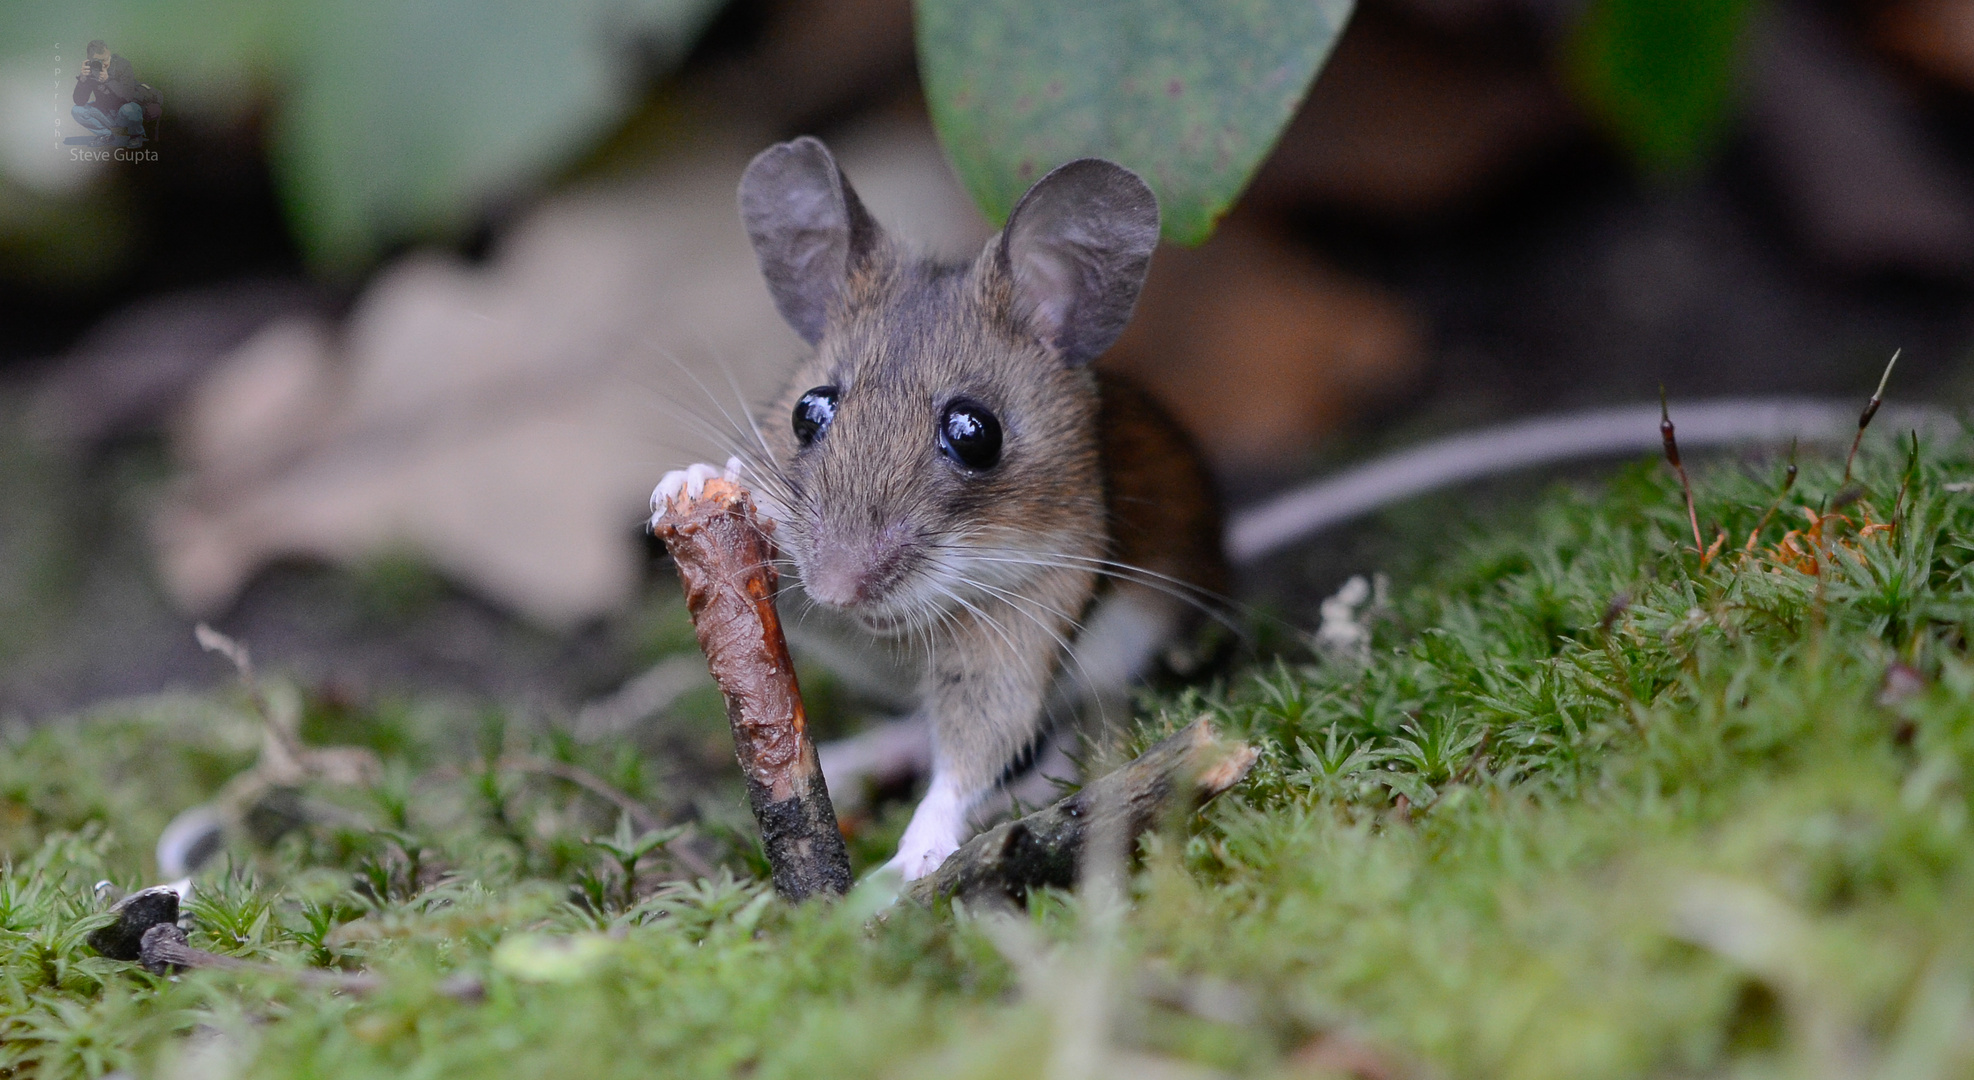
[58,242]
[1192,96]
[396,584]
[53,514]
[392,119]
[1661,74]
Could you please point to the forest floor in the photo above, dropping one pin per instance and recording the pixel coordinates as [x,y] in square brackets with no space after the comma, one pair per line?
[1585,801]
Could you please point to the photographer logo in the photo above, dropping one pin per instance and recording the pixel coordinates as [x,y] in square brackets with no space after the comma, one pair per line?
[119,115]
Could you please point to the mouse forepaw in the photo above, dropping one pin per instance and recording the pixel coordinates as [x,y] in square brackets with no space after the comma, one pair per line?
[916,862]
[766,508]
[691,480]
[936,830]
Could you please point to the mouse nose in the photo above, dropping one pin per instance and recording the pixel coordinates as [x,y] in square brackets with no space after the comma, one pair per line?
[844,572]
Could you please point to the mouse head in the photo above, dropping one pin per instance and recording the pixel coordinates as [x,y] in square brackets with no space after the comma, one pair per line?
[940,445]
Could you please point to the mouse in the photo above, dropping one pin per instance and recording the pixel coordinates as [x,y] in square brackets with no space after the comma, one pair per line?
[947,468]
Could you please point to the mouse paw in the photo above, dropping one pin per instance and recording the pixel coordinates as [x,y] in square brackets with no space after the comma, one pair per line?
[759,484]
[917,862]
[936,830]
[690,480]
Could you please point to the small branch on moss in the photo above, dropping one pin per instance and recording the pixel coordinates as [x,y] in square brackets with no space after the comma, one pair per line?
[640,814]
[147,931]
[276,776]
[1672,456]
[726,563]
[1788,482]
[1905,481]
[163,950]
[285,763]
[1870,410]
[135,914]
[1046,848]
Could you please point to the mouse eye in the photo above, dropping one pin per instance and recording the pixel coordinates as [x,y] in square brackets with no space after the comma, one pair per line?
[814,412]
[970,435]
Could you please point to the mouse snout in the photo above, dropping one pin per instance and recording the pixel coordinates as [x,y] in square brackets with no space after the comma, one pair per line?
[846,571]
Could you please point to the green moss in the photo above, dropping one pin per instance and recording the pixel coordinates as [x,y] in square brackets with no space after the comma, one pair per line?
[1660,815]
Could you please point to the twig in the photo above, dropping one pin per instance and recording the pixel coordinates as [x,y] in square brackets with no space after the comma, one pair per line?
[163,950]
[284,761]
[1479,755]
[1046,848]
[1672,455]
[1870,410]
[1788,482]
[147,932]
[726,563]
[284,764]
[236,653]
[640,815]
[1298,514]
[281,752]
[1905,482]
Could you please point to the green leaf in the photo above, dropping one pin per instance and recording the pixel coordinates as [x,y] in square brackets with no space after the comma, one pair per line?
[405,115]
[1191,94]
[391,119]
[1660,73]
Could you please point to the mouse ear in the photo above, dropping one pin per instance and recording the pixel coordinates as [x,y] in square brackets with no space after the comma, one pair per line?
[807,226]
[1077,247]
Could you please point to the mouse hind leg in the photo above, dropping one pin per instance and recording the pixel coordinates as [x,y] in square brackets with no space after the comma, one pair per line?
[1165,575]
[994,685]
[985,697]
[1164,521]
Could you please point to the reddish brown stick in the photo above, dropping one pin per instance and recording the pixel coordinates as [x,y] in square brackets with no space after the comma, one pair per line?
[726,562]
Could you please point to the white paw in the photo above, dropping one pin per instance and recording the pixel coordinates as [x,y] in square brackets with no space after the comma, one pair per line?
[690,480]
[766,510]
[916,862]
[937,828]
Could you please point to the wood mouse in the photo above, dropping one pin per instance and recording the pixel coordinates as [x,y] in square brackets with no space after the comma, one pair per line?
[947,467]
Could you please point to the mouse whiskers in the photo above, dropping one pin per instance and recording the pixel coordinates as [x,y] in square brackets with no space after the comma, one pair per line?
[1214,605]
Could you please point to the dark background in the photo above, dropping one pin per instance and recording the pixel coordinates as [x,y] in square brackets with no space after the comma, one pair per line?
[1447,235]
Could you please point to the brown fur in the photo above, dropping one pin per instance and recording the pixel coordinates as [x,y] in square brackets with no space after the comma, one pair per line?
[1165,516]
[990,571]
[1082,476]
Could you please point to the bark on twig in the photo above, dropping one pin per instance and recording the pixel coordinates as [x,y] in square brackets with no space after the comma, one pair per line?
[147,932]
[640,814]
[164,951]
[1046,848]
[725,561]
[136,913]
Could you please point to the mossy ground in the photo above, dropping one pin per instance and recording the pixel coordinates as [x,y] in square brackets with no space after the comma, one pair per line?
[1592,805]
